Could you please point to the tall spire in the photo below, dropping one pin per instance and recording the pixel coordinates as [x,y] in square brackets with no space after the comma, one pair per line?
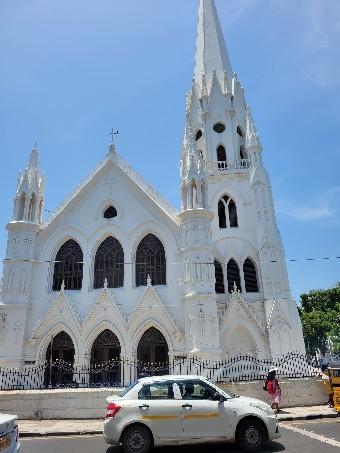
[211,51]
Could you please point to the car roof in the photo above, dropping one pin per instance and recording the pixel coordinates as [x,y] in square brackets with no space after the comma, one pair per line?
[170,378]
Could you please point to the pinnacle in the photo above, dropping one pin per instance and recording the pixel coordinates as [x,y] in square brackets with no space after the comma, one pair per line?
[211,52]
[33,161]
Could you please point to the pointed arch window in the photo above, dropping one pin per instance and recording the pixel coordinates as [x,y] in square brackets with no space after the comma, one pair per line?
[227,213]
[110,212]
[239,131]
[199,135]
[150,260]
[219,279]
[250,277]
[221,157]
[109,264]
[243,153]
[233,275]
[68,266]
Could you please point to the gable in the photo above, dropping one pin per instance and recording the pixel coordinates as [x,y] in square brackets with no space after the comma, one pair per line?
[114,180]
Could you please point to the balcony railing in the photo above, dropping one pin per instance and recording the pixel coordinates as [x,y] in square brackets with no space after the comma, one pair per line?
[223,167]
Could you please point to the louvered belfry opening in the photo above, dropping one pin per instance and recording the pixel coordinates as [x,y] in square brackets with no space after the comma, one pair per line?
[250,277]
[232,214]
[233,275]
[150,260]
[219,284]
[109,264]
[68,267]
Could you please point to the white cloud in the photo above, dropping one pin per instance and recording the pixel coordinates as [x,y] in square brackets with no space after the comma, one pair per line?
[326,207]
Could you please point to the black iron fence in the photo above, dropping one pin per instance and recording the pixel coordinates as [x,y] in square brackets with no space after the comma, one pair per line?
[119,373]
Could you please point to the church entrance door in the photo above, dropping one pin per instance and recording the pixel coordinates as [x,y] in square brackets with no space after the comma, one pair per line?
[153,353]
[59,369]
[105,360]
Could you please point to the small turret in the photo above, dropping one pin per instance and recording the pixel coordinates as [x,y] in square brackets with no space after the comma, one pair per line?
[29,199]
[252,136]
[193,174]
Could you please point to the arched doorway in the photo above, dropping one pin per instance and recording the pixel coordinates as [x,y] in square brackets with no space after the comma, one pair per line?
[153,353]
[59,361]
[105,360]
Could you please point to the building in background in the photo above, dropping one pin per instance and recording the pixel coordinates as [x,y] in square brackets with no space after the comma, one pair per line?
[116,272]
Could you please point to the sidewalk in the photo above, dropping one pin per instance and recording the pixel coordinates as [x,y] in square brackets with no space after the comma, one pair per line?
[35,428]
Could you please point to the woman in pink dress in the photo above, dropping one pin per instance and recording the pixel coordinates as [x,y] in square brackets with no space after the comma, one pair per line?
[273,389]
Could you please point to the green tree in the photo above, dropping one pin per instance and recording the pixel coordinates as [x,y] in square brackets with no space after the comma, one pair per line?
[320,316]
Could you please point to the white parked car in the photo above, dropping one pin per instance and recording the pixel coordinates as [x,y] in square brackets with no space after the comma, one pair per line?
[9,435]
[175,410]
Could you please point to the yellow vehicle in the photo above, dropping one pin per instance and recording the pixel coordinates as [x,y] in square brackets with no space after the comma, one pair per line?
[333,384]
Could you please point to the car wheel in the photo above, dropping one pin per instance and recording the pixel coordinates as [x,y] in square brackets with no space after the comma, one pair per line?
[136,439]
[251,436]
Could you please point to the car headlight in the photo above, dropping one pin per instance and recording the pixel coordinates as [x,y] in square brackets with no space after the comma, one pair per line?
[263,407]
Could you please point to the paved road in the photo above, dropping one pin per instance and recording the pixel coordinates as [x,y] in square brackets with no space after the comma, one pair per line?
[301,437]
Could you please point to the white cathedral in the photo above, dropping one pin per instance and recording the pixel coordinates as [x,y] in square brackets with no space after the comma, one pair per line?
[117,272]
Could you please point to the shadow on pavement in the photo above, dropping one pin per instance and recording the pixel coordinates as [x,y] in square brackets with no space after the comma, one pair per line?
[270,447]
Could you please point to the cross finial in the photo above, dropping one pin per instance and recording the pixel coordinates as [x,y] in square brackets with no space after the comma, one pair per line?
[35,145]
[113,133]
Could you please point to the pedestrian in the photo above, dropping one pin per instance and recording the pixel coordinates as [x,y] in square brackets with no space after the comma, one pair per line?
[273,388]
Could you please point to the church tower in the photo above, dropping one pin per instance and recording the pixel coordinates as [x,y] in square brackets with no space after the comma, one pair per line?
[235,190]
[22,232]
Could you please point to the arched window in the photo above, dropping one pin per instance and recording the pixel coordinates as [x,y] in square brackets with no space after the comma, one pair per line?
[68,266]
[199,134]
[233,275]
[109,263]
[110,213]
[32,208]
[232,214]
[221,154]
[219,283]
[150,260]
[250,277]
[243,153]
[227,205]
[239,131]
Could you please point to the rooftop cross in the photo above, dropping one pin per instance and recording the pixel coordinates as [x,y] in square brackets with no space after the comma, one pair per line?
[113,133]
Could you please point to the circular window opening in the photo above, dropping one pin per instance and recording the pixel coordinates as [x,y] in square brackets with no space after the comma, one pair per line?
[199,134]
[219,128]
[110,213]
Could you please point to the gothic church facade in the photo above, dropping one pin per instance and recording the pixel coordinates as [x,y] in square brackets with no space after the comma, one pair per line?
[116,271]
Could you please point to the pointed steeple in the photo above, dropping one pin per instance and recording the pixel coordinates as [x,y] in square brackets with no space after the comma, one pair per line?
[211,51]
[29,200]
[252,136]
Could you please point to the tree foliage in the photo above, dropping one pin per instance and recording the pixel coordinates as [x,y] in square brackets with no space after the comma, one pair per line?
[320,316]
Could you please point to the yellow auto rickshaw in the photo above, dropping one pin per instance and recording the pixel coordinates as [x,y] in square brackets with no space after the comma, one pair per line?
[333,385]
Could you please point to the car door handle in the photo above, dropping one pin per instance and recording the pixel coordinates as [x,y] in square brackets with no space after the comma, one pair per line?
[187,406]
[144,406]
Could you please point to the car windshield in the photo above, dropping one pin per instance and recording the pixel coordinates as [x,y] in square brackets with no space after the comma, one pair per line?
[226,393]
[127,389]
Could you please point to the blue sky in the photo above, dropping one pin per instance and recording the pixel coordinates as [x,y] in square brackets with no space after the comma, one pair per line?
[71,70]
